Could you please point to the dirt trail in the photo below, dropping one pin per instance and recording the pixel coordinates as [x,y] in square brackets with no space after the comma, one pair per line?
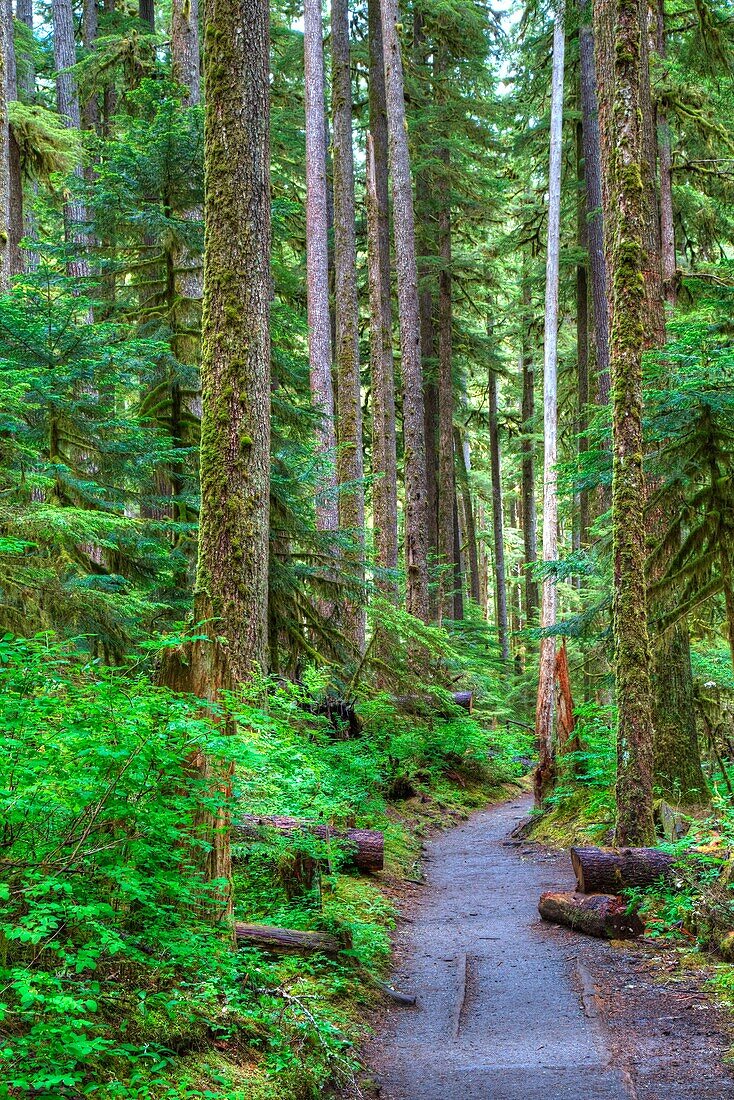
[510,1008]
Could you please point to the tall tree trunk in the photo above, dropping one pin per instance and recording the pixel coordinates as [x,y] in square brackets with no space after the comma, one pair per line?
[446,462]
[350,469]
[426,248]
[24,13]
[109,92]
[90,31]
[67,101]
[6,39]
[185,50]
[16,226]
[416,548]
[665,167]
[232,573]
[676,757]
[545,772]
[498,521]
[595,217]
[623,74]
[527,450]
[146,13]
[317,262]
[382,367]
[458,603]
[581,530]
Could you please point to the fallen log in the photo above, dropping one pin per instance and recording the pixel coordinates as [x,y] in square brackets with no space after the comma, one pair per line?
[419,704]
[600,915]
[363,848]
[609,870]
[287,939]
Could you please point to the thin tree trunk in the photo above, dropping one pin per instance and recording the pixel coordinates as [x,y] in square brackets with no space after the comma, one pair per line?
[665,167]
[416,548]
[498,522]
[527,449]
[426,248]
[446,464]
[109,92]
[623,73]
[6,48]
[90,30]
[232,574]
[382,368]
[461,448]
[595,217]
[67,101]
[16,225]
[581,530]
[458,604]
[545,772]
[317,263]
[350,469]
[24,13]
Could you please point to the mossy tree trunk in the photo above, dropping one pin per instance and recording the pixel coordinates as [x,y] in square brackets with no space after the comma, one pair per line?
[6,46]
[67,102]
[230,598]
[414,463]
[350,469]
[621,27]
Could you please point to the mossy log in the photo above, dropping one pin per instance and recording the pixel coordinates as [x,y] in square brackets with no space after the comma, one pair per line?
[287,939]
[417,704]
[600,915]
[363,848]
[609,870]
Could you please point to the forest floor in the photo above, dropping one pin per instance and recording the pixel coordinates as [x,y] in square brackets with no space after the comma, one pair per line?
[511,1008]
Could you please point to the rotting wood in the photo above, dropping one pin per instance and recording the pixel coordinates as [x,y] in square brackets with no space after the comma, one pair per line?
[609,870]
[362,848]
[602,915]
[287,939]
[416,704]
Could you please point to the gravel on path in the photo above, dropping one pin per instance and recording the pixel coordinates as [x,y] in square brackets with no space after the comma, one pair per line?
[510,1008]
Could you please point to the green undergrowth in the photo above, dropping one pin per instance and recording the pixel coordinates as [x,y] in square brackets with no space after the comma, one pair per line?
[113,982]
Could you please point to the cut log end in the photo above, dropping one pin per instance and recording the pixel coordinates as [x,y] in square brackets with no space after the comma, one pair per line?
[604,916]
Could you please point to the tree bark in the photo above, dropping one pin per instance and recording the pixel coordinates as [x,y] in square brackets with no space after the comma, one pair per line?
[350,468]
[146,13]
[67,101]
[621,31]
[581,526]
[231,592]
[609,870]
[545,772]
[6,47]
[416,545]
[446,460]
[593,186]
[677,771]
[527,449]
[461,449]
[382,367]
[602,915]
[317,263]
[498,522]
[185,52]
